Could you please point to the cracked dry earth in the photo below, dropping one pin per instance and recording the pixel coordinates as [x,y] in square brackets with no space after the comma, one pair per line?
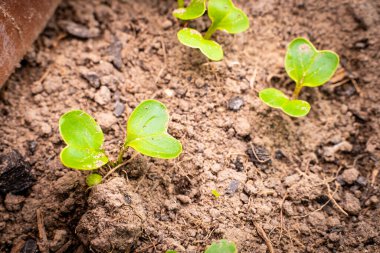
[311,184]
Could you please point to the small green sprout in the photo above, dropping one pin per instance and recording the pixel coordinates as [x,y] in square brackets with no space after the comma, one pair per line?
[307,67]
[146,133]
[84,139]
[93,179]
[224,16]
[222,246]
[215,193]
[192,38]
[194,10]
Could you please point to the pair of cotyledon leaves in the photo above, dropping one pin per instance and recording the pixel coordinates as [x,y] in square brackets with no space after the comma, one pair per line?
[222,246]
[146,133]
[307,67]
[224,16]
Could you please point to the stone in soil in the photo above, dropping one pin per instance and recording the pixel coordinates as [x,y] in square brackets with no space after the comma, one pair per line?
[242,127]
[103,96]
[235,103]
[350,176]
[351,204]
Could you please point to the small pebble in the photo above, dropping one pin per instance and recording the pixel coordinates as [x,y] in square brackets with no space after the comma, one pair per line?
[350,175]
[166,24]
[119,109]
[232,187]
[235,103]
[91,77]
[184,199]
[103,96]
[242,127]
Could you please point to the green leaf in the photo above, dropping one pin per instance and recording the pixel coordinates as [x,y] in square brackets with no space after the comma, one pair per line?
[93,179]
[84,139]
[226,17]
[192,38]
[171,251]
[296,108]
[273,97]
[307,66]
[147,131]
[194,10]
[222,246]
[277,99]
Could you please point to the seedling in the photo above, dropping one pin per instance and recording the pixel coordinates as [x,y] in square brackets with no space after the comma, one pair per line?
[194,10]
[307,66]
[224,16]
[93,179]
[222,246]
[146,133]
[215,193]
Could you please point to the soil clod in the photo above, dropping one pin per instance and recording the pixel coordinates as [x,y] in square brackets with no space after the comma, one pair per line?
[15,173]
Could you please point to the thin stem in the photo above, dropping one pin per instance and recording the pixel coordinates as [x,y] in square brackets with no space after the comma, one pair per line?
[297,91]
[181,3]
[120,165]
[120,155]
[211,30]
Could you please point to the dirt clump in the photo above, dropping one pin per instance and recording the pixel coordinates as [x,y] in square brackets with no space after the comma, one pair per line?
[114,219]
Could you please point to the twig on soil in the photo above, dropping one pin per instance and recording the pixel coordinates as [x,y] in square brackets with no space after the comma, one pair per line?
[375,172]
[282,216]
[257,158]
[264,236]
[120,165]
[332,198]
[64,247]
[165,62]
[43,242]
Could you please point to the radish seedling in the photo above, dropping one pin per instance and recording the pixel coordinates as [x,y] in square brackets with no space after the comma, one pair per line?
[307,67]
[194,10]
[224,16]
[222,246]
[146,133]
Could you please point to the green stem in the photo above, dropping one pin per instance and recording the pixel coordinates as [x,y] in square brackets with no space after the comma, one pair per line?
[181,3]
[297,91]
[120,156]
[211,30]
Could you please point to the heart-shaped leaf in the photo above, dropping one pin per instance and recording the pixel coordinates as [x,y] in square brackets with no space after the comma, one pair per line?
[194,10]
[307,66]
[147,131]
[277,99]
[192,38]
[222,246]
[84,139]
[226,17]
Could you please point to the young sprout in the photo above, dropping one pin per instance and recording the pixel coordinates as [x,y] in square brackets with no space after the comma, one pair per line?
[222,246]
[225,17]
[307,66]
[194,10]
[84,139]
[93,179]
[215,193]
[146,133]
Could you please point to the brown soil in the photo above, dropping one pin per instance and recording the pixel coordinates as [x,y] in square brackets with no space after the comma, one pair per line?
[311,184]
